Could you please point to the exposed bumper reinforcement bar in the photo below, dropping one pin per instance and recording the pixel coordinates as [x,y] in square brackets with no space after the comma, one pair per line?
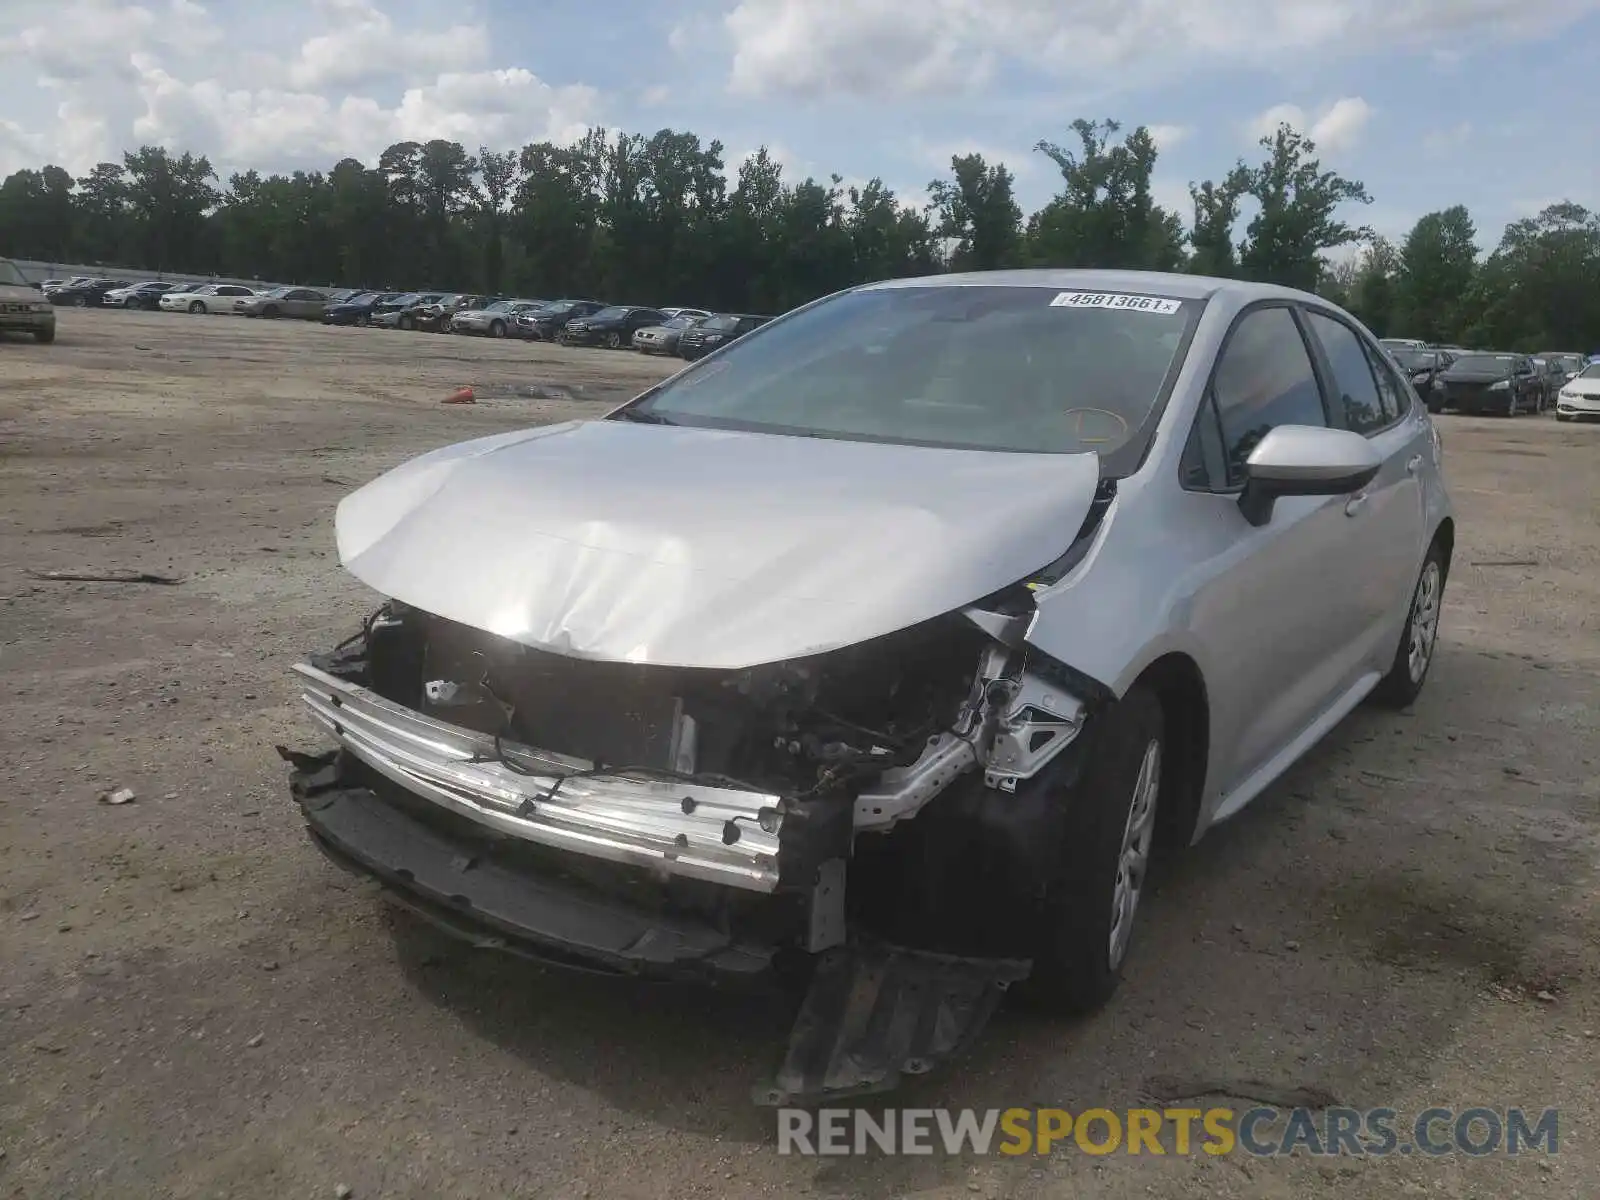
[691,830]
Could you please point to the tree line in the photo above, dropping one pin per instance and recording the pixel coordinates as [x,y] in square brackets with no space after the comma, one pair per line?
[661,219]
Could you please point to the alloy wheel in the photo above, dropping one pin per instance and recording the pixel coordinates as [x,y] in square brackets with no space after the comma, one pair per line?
[1133,861]
[1424,630]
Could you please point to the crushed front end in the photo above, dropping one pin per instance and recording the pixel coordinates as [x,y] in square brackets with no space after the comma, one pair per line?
[748,824]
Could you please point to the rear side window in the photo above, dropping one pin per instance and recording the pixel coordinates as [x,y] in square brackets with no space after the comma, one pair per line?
[1393,393]
[1356,386]
[1263,379]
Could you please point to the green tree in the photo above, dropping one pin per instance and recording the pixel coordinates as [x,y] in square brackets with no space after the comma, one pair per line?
[1104,216]
[1216,212]
[977,210]
[1438,267]
[1298,201]
[1537,290]
[170,197]
[1374,289]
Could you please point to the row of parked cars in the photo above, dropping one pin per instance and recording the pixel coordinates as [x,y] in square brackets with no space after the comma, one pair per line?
[686,332]
[1499,382]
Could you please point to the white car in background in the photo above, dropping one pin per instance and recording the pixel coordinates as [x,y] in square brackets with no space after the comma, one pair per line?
[1580,395]
[211,298]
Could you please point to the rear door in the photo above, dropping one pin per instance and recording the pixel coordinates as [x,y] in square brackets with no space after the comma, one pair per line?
[1387,515]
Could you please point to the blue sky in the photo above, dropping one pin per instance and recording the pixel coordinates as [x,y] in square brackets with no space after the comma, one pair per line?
[1491,103]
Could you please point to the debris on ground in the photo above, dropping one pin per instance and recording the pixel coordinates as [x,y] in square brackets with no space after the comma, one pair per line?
[107,577]
[256,1041]
[462,395]
[1167,1089]
[122,795]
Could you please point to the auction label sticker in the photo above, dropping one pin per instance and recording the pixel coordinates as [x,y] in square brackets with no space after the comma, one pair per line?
[1161,305]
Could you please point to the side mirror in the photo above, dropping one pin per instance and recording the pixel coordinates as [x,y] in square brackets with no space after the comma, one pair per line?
[1304,460]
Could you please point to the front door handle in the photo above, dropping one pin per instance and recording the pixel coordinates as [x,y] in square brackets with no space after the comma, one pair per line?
[1354,505]
[1413,464]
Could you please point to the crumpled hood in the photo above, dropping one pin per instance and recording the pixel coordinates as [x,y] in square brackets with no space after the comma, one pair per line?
[705,548]
[11,293]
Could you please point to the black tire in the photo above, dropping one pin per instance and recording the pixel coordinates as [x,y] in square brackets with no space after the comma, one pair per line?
[80,302]
[406,322]
[45,336]
[497,329]
[1076,967]
[196,307]
[363,319]
[613,341]
[1403,684]
[270,310]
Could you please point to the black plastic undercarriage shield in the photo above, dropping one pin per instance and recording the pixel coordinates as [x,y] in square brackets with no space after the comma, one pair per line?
[876,1013]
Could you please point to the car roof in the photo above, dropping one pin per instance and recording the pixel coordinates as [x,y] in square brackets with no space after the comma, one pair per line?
[1181,287]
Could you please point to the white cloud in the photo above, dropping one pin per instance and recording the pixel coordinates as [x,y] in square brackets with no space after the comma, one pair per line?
[364,45]
[885,47]
[1168,136]
[1336,128]
[319,82]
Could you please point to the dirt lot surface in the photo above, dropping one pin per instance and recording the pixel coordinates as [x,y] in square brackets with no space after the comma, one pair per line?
[194,1003]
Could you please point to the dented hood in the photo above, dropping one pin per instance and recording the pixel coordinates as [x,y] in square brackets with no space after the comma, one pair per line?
[705,548]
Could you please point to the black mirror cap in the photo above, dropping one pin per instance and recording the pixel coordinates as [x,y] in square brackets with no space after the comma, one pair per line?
[1260,496]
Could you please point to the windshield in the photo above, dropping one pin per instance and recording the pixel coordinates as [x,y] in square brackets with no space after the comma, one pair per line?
[1483,362]
[278,292]
[406,298]
[681,322]
[615,313]
[985,367]
[558,306]
[719,324]
[500,306]
[1592,371]
[359,298]
[11,275]
[1414,360]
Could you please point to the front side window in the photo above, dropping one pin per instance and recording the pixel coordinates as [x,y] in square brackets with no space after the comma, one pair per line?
[11,275]
[1263,379]
[1355,388]
[985,367]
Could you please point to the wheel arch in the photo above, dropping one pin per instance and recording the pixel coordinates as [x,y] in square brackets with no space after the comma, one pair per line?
[1179,685]
[1445,538]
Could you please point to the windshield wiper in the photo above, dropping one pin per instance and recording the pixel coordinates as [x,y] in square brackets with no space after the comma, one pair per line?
[640,416]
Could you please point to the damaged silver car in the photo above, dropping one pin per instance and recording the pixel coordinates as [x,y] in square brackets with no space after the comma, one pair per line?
[880,650]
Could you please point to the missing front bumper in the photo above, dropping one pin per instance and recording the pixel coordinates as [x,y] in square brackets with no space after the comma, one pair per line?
[493,903]
[688,830]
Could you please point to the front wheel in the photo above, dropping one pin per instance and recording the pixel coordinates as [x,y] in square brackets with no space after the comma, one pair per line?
[497,329]
[406,323]
[1414,655]
[613,341]
[363,320]
[270,310]
[45,336]
[1087,917]
[80,302]
[197,307]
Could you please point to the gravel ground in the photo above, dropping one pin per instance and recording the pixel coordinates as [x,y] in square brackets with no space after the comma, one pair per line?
[193,1003]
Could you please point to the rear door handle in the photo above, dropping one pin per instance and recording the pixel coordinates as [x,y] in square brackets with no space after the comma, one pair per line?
[1354,505]
[1413,464]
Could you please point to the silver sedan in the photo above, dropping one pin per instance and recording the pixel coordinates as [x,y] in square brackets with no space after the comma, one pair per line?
[893,638]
